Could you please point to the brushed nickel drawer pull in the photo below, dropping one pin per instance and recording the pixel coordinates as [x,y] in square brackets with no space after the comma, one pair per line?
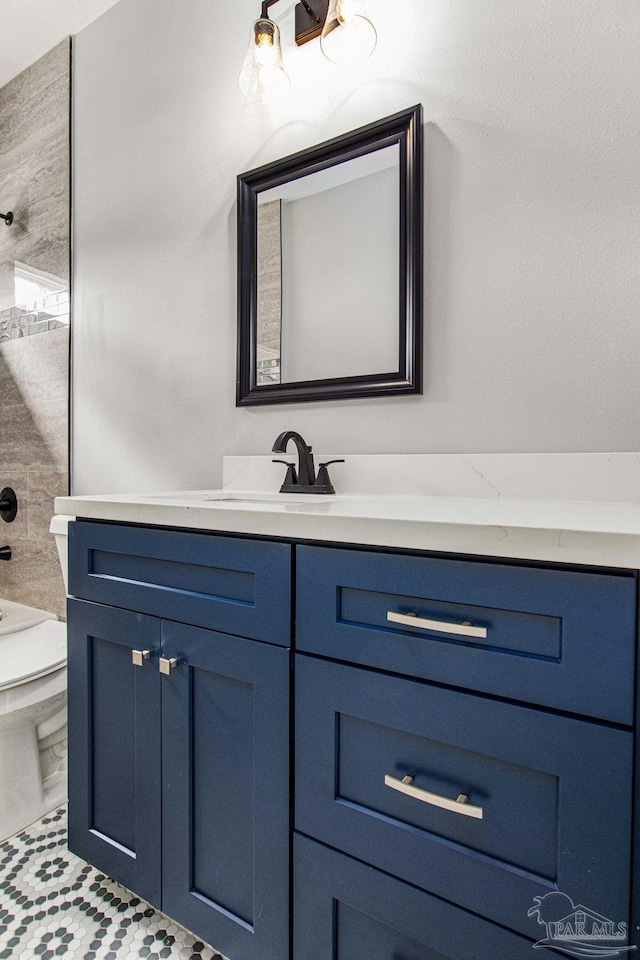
[465,629]
[461,805]
[166,666]
[138,657]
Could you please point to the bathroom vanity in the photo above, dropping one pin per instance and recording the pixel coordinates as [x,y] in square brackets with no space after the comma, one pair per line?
[179,775]
[320,743]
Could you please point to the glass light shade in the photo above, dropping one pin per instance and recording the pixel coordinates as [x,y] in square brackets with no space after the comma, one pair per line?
[263,77]
[348,36]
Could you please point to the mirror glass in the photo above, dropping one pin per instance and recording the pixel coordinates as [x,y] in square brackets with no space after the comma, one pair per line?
[328,272]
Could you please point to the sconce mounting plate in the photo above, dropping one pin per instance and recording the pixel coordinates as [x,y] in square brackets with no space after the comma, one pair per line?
[309,25]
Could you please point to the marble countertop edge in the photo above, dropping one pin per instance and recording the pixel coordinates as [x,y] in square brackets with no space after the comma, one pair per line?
[570,532]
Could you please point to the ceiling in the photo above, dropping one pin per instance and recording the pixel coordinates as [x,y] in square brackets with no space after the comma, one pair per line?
[29,28]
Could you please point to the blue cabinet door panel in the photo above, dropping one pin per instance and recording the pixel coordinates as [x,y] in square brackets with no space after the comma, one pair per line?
[223,583]
[554,791]
[114,745]
[345,910]
[558,638]
[226,791]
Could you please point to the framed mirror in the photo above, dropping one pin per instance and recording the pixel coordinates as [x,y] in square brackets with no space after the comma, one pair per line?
[330,269]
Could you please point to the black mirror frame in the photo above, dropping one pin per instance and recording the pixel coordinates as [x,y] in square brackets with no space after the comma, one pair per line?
[404,129]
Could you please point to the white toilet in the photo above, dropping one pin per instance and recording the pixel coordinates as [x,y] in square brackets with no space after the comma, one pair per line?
[33,696]
[60,529]
[33,717]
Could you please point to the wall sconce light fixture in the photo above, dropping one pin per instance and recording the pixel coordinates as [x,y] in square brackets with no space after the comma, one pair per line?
[7,217]
[347,36]
[263,77]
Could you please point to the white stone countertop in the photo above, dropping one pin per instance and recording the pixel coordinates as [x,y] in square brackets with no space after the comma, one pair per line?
[562,530]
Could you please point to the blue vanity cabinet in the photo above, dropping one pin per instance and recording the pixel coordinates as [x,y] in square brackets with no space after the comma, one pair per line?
[464,730]
[179,735]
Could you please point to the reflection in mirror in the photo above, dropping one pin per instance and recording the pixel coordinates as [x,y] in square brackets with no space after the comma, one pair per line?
[328,272]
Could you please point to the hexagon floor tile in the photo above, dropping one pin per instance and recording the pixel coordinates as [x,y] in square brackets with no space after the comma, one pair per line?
[54,905]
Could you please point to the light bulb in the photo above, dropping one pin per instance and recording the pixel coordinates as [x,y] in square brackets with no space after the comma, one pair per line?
[348,36]
[263,77]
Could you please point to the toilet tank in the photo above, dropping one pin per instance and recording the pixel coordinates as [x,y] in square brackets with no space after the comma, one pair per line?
[60,529]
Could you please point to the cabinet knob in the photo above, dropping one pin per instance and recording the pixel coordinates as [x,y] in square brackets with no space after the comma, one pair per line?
[166,666]
[138,657]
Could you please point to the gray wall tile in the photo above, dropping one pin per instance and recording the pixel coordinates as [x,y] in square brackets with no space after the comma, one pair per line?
[37,124]
[34,369]
[43,487]
[14,196]
[33,575]
[34,183]
[53,65]
[49,197]
[34,164]
[34,435]
[14,99]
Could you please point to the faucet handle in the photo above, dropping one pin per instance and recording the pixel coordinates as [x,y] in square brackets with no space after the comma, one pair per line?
[323,481]
[291,479]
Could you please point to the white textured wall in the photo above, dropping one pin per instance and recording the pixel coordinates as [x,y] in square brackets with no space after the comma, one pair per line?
[533,222]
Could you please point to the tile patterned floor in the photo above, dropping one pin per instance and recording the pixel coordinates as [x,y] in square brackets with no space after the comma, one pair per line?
[54,905]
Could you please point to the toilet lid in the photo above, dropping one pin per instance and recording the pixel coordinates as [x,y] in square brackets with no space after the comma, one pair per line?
[29,654]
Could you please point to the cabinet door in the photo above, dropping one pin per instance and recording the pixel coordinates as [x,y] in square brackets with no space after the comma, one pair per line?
[114,745]
[226,791]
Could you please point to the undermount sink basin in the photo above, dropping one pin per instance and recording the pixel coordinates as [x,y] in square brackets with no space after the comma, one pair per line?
[222,496]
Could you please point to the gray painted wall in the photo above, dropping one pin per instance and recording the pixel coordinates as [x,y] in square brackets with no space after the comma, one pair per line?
[532,229]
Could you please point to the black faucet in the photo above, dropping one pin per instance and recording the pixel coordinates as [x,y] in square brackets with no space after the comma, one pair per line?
[304,480]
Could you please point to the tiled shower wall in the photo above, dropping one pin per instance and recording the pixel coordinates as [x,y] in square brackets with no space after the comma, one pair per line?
[34,184]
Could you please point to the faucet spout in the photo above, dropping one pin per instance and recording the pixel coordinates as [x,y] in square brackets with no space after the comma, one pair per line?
[306,468]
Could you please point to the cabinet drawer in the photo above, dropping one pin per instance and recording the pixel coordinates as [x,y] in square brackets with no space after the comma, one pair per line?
[227,584]
[552,637]
[554,791]
[347,911]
